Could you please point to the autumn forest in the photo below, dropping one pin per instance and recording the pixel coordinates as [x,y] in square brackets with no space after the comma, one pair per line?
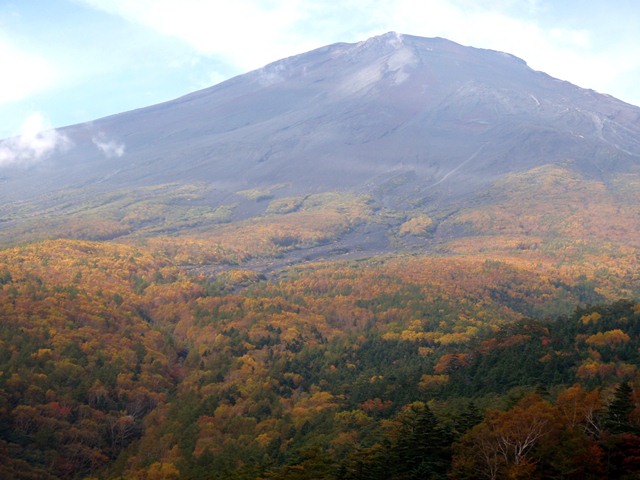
[134,360]
[399,259]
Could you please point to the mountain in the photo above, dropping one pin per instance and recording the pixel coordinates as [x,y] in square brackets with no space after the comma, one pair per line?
[374,260]
[350,116]
[421,127]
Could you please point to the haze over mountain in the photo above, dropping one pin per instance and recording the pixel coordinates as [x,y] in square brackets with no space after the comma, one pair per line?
[410,121]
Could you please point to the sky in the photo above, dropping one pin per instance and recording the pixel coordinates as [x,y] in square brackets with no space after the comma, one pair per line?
[70,61]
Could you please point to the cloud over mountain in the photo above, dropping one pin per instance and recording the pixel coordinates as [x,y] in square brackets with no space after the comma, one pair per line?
[448,119]
[110,148]
[36,141]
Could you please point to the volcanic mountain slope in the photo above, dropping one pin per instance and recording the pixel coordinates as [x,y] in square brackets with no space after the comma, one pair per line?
[410,131]
[349,115]
[414,204]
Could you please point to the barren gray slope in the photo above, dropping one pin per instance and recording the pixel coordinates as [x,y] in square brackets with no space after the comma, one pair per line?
[351,116]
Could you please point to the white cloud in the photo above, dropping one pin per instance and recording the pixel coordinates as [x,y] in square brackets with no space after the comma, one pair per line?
[234,36]
[564,53]
[23,73]
[574,38]
[35,142]
[251,33]
[110,148]
[246,33]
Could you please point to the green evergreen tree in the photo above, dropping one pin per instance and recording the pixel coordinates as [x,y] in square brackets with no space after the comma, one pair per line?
[467,419]
[617,417]
[367,464]
[423,450]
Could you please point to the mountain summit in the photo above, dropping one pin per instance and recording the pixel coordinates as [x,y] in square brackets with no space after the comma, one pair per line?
[437,121]
[325,267]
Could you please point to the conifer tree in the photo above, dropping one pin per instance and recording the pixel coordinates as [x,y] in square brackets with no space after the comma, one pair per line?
[423,448]
[617,418]
[467,419]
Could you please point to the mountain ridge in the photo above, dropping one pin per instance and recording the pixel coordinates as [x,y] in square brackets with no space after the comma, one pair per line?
[281,276]
[406,130]
[265,117]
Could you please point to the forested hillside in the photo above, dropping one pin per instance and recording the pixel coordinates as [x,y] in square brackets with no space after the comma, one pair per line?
[116,362]
[396,259]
